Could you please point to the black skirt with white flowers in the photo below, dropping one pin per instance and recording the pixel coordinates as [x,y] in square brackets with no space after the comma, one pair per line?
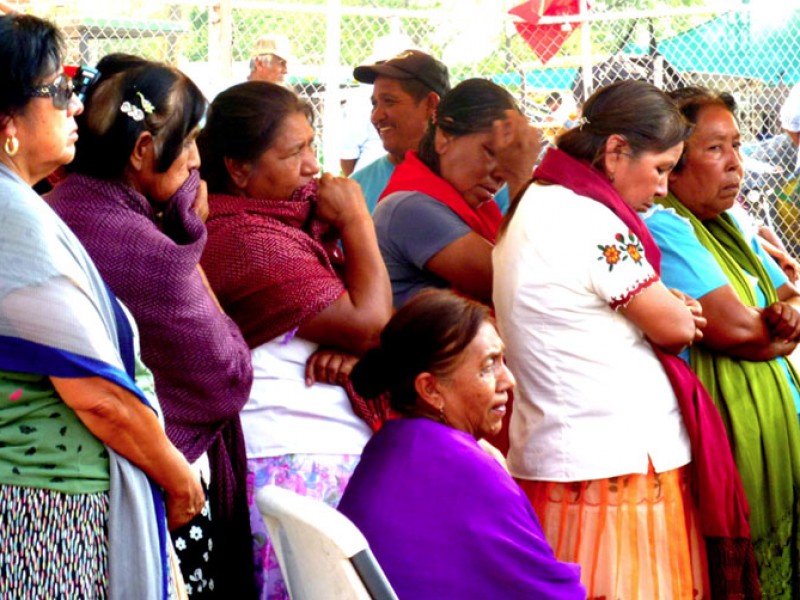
[194,548]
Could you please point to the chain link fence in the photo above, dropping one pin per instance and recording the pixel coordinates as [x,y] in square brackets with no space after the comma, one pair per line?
[550,62]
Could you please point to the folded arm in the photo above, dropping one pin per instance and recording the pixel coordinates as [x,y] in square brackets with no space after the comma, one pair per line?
[747,332]
[669,320]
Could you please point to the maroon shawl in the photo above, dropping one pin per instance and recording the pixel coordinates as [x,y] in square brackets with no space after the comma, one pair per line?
[717,489]
[412,175]
[273,265]
[198,357]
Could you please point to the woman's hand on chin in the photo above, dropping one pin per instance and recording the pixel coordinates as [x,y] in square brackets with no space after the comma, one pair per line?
[340,200]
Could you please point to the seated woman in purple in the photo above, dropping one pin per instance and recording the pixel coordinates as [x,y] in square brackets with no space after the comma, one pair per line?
[443,517]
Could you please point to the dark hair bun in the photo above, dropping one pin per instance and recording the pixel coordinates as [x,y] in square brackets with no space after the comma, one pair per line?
[370,377]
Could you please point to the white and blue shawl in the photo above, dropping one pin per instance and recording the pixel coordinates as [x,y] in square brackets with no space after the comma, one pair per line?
[58,318]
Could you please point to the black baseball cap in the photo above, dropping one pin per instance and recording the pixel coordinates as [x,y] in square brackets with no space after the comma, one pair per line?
[410,64]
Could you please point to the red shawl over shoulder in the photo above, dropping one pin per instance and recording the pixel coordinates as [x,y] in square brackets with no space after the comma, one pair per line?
[717,489]
[412,175]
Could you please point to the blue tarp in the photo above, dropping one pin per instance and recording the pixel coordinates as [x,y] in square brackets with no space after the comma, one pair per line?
[545,79]
[737,44]
[734,43]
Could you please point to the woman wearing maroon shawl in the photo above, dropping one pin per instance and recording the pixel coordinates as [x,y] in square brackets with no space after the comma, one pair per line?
[443,517]
[275,261]
[133,200]
[607,416]
[437,219]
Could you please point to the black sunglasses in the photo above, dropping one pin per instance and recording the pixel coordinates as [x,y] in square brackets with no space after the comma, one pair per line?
[60,91]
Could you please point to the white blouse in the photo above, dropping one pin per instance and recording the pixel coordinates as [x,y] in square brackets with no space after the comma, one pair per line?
[284,416]
[592,400]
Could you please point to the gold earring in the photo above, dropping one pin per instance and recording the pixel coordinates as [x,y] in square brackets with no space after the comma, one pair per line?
[11,146]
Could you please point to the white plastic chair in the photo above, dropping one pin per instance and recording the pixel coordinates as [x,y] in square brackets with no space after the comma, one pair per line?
[322,554]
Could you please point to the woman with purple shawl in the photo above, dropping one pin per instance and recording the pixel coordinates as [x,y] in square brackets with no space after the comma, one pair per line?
[442,516]
[135,200]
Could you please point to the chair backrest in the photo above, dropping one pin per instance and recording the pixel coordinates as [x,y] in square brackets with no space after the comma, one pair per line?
[321,553]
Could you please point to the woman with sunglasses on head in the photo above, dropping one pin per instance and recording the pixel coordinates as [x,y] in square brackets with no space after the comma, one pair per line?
[89,481]
[133,199]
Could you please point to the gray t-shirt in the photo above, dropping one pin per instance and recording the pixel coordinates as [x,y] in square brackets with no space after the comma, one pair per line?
[412,228]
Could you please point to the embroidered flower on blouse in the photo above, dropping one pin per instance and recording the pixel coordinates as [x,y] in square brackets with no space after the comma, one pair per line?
[634,252]
[626,247]
[196,533]
[631,246]
[180,544]
[611,254]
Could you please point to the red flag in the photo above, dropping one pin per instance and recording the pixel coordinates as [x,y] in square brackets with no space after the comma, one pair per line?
[545,40]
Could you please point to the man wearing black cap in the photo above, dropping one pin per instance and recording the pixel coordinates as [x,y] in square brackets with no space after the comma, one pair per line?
[406,92]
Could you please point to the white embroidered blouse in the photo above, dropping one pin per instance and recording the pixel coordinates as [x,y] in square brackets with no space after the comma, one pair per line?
[592,400]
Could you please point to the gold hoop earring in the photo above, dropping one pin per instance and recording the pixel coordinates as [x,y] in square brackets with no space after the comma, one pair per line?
[11,146]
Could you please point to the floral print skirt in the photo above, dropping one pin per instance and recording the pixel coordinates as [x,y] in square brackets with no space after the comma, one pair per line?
[194,548]
[52,544]
[320,476]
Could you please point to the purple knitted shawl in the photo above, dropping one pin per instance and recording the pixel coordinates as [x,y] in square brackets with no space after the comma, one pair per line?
[200,362]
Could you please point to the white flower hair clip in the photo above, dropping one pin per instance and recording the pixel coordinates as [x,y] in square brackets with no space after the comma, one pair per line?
[136,113]
[581,122]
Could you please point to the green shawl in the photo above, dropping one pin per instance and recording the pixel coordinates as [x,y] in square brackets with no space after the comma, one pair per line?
[756,403]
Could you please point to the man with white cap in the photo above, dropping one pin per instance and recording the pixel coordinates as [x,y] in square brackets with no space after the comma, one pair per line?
[271,54]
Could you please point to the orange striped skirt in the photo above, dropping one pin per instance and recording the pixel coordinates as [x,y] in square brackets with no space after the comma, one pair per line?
[634,536]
